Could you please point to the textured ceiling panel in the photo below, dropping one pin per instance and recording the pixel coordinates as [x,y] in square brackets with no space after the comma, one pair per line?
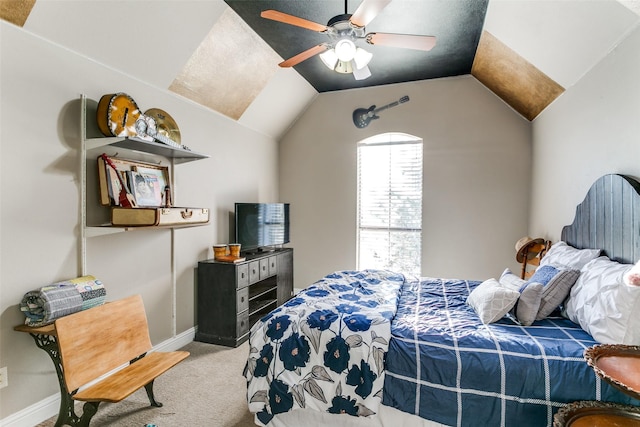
[563,38]
[512,78]
[16,11]
[229,68]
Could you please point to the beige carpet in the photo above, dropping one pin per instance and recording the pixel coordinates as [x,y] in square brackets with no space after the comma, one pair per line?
[207,389]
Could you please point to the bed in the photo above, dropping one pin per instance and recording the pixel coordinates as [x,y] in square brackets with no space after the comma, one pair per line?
[388,348]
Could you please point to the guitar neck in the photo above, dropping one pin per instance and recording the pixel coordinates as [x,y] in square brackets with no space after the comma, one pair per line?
[384,107]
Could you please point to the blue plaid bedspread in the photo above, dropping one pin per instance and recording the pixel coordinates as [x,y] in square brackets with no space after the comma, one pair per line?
[444,365]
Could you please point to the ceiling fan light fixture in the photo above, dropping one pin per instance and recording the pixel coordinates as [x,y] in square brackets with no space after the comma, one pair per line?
[362,58]
[345,50]
[361,73]
[344,67]
[329,58]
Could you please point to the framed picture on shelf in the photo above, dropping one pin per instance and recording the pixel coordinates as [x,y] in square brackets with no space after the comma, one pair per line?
[157,178]
[146,191]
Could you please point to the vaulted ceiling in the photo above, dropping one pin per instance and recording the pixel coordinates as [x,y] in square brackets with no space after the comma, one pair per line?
[224,56]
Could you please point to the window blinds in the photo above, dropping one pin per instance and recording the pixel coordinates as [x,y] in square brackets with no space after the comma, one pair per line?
[390,205]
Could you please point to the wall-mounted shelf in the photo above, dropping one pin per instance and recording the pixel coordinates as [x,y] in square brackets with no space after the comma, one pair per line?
[103,230]
[93,143]
[179,155]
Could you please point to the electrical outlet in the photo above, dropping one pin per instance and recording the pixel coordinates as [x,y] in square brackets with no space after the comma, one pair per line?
[4,377]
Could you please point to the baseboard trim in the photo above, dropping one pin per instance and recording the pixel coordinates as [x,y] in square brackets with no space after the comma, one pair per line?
[49,407]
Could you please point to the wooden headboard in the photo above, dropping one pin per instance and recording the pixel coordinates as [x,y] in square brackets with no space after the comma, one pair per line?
[608,219]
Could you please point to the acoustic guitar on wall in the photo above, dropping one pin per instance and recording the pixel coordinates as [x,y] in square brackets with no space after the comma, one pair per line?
[363,116]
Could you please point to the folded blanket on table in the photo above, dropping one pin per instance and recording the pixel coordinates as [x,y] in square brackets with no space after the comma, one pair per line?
[45,305]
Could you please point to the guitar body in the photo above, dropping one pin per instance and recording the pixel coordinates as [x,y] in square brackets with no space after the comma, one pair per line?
[362,116]
[117,115]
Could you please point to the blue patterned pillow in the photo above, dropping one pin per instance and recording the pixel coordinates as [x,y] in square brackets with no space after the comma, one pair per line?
[557,284]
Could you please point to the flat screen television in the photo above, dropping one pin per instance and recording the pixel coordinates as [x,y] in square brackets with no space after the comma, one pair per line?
[261,226]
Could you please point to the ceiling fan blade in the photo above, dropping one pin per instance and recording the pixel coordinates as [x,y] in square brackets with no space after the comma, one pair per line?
[295,60]
[406,41]
[367,10]
[293,20]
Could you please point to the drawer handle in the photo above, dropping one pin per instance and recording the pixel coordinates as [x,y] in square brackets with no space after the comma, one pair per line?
[242,275]
[186,214]
[242,299]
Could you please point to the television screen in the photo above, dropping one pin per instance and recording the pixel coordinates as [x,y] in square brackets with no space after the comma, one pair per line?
[261,225]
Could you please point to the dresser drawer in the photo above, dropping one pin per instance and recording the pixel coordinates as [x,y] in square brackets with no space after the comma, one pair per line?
[264,268]
[242,278]
[254,271]
[242,300]
[273,265]
[242,325]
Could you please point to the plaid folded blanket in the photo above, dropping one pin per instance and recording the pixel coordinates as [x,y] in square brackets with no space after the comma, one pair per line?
[45,305]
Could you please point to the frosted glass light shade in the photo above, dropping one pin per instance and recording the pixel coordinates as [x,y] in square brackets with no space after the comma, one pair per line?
[329,58]
[345,49]
[361,73]
[362,58]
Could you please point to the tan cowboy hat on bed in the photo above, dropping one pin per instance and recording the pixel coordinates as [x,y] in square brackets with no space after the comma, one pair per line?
[525,243]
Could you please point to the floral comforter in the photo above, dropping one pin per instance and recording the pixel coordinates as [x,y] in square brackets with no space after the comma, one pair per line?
[325,348]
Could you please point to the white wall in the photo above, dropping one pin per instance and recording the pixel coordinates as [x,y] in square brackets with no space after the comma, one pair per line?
[41,85]
[593,129]
[476,177]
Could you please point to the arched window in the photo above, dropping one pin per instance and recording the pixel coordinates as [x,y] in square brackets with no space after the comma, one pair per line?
[390,203]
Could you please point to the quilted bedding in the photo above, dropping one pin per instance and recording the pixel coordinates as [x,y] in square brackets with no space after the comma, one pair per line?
[445,365]
[44,305]
[325,348]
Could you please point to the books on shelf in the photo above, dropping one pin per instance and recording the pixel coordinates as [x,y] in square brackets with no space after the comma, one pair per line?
[230,258]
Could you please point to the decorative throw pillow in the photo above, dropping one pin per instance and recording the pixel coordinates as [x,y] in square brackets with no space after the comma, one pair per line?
[632,276]
[566,257]
[603,305]
[491,301]
[528,304]
[556,287]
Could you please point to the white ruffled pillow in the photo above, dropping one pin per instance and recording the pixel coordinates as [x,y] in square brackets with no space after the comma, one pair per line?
[566,257]
[603,305]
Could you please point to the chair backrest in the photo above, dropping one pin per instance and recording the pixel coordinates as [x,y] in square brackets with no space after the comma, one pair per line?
[98,340]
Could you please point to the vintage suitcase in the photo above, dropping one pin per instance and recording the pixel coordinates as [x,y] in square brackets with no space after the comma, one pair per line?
[148,217]
[118,176]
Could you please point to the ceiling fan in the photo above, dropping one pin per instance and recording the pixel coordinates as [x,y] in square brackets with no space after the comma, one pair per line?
[341,54]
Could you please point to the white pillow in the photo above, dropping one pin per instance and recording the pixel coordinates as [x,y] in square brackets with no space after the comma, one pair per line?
[528,304]
[566,257]
[491,301]
[603,305]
